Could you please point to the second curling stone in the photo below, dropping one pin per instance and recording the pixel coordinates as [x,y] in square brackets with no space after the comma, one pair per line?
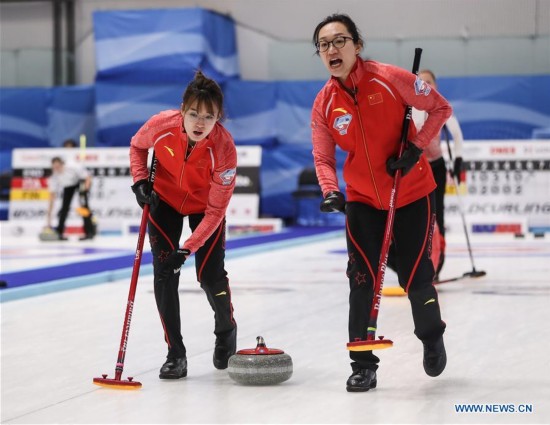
[260,365]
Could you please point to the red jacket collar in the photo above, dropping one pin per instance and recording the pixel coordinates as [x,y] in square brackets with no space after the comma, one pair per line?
[355,75]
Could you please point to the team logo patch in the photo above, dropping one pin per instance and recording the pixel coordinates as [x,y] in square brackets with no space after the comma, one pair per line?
[421,87]
[227,176]
[342,122]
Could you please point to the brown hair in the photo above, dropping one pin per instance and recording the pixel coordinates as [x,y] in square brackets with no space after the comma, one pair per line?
[428,71]
[204,91]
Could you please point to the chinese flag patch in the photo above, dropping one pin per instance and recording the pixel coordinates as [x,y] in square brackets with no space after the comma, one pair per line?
[375,98]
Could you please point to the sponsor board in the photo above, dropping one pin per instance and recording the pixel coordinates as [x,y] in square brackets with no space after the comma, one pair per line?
[111,199]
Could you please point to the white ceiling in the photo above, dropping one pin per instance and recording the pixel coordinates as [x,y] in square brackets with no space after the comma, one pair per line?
[377,19]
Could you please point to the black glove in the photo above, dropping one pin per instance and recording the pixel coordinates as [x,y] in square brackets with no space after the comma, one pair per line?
[144,194]
[457,169]
[333,202]
[173,263]
[410,157]
[82,188]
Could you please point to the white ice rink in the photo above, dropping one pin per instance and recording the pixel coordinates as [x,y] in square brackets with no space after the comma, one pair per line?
[295,296]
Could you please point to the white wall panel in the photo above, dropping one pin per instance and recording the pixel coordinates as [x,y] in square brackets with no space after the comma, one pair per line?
[253,66]
[542,17]
[542,56]
[464,37]
[26,25]
[506,56]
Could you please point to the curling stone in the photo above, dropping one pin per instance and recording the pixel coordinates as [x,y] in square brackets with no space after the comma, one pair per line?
[48,234]
[260,365]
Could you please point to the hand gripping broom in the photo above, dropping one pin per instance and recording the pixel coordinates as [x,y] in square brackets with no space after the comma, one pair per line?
[371,343]
[117,382]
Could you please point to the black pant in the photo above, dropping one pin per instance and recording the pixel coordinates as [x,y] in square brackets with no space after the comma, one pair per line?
[165,228]
[68,194]
[439,171]
[412,233]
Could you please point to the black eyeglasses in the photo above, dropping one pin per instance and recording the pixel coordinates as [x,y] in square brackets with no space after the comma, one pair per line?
[338,43]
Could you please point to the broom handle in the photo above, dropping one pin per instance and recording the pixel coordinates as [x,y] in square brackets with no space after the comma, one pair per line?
[383,262]
[456,184]
[135,274]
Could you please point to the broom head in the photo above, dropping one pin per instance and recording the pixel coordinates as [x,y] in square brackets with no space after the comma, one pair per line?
[475,273]
[117,384]
[369,345]
[393,291]
[83,212]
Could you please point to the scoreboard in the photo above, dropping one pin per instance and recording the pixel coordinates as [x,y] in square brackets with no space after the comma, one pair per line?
[506,187]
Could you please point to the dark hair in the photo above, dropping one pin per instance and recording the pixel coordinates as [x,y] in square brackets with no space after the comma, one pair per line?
[69,143]
[57,159]
[204,91]
[343,19]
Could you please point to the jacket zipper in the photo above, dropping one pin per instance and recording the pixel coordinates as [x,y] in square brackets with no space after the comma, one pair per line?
[353,95]
[186,157]
[183,202]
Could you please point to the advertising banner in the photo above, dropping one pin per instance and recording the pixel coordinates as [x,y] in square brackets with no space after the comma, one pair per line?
[111,200]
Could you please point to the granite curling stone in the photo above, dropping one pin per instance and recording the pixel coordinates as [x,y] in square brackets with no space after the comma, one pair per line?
[48,234]
[260,365]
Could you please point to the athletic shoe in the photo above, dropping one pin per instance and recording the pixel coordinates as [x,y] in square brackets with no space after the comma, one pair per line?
[361,380]
[435,357]
[226,346]
[60,236]
[174,368]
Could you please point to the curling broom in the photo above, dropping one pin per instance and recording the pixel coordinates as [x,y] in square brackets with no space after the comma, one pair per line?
[371,343]
[117,382]
[456,182]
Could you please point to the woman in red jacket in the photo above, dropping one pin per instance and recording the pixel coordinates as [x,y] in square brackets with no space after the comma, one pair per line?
[195,178]
[360,109]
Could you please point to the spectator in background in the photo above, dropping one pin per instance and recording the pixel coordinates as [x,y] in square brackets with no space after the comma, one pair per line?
[195,178]
[360,109]
[83,196]
[69,143]
[434,155]
[68,179]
